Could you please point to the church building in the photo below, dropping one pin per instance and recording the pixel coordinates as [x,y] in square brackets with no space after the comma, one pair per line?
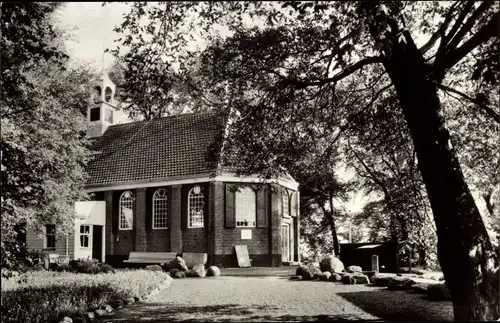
[154,188]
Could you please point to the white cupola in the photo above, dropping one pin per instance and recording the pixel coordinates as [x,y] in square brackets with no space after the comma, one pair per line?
[102,109]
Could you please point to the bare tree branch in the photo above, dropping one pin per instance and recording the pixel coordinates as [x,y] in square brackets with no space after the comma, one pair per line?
[467,6]
[440,32]
[449,60]
[492,113]
[467,26]
[342,74]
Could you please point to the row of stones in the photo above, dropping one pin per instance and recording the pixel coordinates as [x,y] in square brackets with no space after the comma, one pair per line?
[177,268]
[352,276]
[435,291]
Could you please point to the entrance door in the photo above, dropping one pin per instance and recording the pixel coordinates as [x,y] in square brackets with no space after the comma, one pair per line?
[97,242]
[285,242]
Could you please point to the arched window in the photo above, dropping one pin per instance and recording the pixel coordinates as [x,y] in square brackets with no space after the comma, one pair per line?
[284,204]
[196,207]
[126,211]
[245,201]
[160,209]
[108,94]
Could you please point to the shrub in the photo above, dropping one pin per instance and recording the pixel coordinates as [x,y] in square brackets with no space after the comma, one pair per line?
[54,294]
[85,267]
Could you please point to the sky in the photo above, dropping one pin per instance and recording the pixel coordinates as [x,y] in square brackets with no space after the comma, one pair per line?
[91,26]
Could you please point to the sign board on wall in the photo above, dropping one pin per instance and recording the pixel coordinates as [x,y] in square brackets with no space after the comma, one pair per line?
[246,234]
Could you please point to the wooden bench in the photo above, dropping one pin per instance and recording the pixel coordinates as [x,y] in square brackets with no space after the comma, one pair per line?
[150,257]
[194,258]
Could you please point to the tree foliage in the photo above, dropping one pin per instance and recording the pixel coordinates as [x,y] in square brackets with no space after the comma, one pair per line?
[43,143]
[302,74]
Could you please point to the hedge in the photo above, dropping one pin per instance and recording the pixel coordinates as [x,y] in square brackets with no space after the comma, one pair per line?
[47,296]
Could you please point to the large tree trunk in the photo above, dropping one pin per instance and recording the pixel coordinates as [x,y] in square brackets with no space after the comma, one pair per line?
[331,221]
[465,252]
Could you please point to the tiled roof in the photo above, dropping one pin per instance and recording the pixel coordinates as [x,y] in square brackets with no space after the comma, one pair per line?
[159,149]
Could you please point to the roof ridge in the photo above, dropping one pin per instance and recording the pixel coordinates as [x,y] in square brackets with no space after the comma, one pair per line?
[200,113]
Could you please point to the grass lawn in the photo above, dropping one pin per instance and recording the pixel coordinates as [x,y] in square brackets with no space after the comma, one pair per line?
[51,295]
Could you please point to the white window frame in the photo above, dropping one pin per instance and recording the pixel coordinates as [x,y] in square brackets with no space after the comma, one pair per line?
[285,198]
[85,234]
[241,208]
[198,199]
[160,201]
[45,240]
[130,202]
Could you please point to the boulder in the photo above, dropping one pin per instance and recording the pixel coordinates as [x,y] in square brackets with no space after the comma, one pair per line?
[381,281]
[420,288]
[335,277]
[360,278]
[179,274]
[66,320]
[332,264]
[177,263]
[400,283]
[306,273]
[107,308]
[299,270]
[354,269]
[91,315]
[315,270]
[438,292]
[117,303]
[197,271]
[325,276]
[348,279]
[101,313]
[154,268]
[213,271]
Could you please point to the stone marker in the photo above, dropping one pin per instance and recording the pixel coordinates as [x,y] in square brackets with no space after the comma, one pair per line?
[375,266]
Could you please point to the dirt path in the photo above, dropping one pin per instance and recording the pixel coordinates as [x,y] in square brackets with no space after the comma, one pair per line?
[244,299]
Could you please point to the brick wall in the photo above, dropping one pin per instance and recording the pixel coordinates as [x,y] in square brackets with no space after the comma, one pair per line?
[194,240]
[260,247]
[110,237]
[175,238]
[158,240]
[124,240]
[264,248]
[140,219]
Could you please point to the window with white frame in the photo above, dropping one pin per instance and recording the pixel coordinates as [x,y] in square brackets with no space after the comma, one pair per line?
[160,209]
[245,205]
[49,241]
[84,236]
[126,211]
[285,204]
[196,207]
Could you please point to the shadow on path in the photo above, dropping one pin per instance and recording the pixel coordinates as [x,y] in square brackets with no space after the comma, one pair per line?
[165,312]
[400,305]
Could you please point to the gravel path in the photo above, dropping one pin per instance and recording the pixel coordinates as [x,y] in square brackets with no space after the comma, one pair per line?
[244,299]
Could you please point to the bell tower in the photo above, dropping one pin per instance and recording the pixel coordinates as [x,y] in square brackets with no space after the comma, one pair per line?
[102,109]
